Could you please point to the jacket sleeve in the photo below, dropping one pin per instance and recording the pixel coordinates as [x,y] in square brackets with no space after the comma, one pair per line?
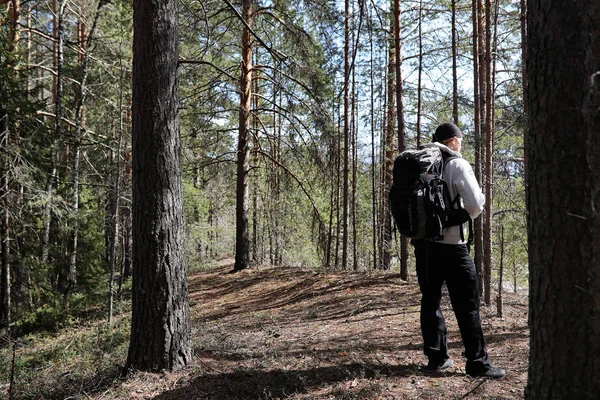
[465,184]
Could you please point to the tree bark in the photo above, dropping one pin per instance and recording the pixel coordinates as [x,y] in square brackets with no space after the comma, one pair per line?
[346,176]
[58,61]
[454,67]
[388,162]
[255,211]
[242,239]
[525,83]
[373,156]
[500,274]
[14,35]
[400,119]
[420,75]
[160,326]
[563,221]
[354,133]
[489,148]
[477,72]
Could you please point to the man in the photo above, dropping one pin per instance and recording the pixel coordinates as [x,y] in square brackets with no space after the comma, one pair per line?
[448,260]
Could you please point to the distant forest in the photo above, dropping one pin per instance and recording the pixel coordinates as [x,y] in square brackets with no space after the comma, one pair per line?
[291,112]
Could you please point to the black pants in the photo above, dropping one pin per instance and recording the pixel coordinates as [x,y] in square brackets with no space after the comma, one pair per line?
[438,263]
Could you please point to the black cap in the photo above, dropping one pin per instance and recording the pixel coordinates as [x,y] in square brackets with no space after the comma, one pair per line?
[446,131]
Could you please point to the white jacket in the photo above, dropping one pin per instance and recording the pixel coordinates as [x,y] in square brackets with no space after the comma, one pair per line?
[461,181]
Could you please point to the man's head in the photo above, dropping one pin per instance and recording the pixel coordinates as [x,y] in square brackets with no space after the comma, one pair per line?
[450,135]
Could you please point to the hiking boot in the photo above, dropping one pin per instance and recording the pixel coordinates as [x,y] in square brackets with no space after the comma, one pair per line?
[490,373]
[435,365]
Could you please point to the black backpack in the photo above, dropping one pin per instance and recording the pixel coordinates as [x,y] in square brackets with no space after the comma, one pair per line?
[419,198]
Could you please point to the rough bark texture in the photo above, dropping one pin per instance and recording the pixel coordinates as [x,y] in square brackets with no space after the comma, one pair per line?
[242,239]
[160,328]
[524,75]
[388,162]
[563,222]
[478,223]
[489,153]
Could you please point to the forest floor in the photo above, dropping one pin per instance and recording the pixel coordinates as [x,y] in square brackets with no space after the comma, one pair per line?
[290,333]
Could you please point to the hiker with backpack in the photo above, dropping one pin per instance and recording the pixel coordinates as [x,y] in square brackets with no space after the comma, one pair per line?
[433,199]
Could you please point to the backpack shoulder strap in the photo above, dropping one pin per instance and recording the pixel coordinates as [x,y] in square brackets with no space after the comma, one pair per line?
[447,158]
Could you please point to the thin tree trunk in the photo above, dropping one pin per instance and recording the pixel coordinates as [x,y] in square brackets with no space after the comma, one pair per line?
[114,216]
[454,67]
[478,223]
[420,75]
[278,254]
[59,6]
[338,199]
[489,134]
[389,156]
[354,132]
[114,234]
[515,290]
[80,122]
[373,157]
[525,85]
[346,177]
[383,165]
[400,118]
[255,211]
[500,273]
[242,247]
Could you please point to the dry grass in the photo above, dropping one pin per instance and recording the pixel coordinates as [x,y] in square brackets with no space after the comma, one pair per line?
[281,333]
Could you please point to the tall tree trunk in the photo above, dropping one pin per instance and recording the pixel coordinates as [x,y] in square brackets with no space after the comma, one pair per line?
[477,72]
[278,252]
[563,220]
[386,241]
[454,67]
[242,240]
[80,123]
[160,325]
[255,211]
[400,118]
[345,196]
[114,225]
[525,83]
[489,148]
[420,75]
[14,11]
[373,156]
[354,133]
[114,215]
[59,6]
[338,198]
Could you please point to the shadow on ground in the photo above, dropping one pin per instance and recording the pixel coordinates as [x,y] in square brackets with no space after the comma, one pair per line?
[255,384]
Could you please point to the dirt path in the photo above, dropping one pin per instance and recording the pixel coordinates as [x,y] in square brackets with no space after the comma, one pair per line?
[282,333]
